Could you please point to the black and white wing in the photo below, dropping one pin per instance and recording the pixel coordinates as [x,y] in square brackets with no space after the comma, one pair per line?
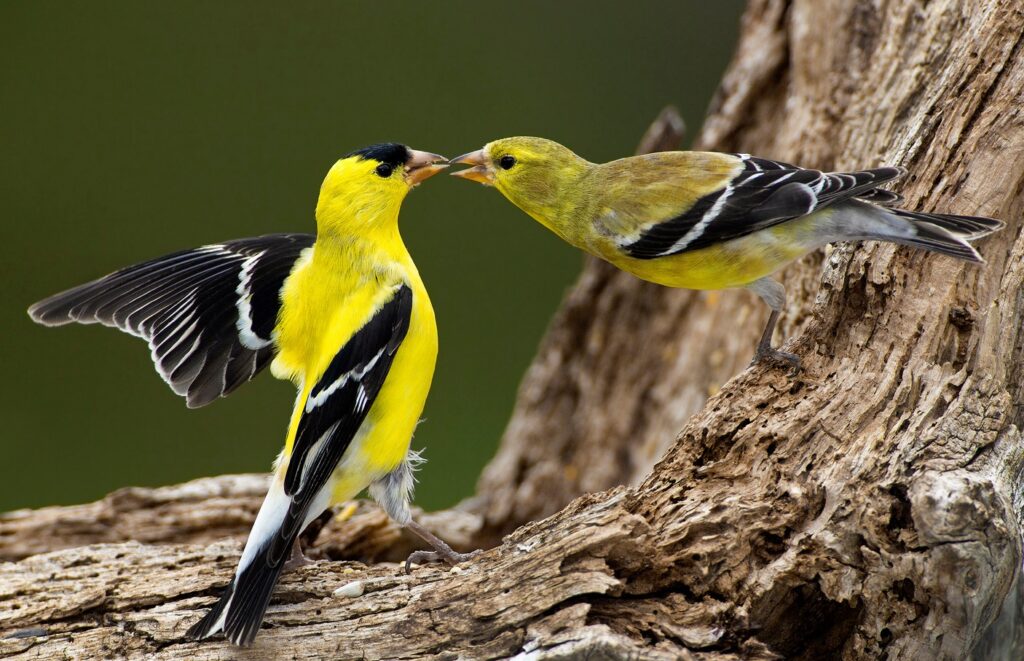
[338,403]
[764,193]
[331,416]
[335,409]
[208,314]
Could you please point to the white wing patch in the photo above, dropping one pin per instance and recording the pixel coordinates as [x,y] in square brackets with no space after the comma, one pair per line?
[246,334]
[207,313]
[699,228]
[357,374]
[362,399]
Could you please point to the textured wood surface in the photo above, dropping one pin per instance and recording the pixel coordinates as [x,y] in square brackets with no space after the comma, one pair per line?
[869,508]
[213,509]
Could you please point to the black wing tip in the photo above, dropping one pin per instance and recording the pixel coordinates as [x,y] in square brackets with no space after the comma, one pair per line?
[886,172]
[196,398]
[37,313]
[154,286]
[882,197]
[48,311]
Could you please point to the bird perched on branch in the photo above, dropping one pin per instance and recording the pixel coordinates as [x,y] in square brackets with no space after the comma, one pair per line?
[704,220]
[344,315]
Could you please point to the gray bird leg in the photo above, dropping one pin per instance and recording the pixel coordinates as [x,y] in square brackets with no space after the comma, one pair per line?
[297,558]
[393,492]
[441,550]
[774,294]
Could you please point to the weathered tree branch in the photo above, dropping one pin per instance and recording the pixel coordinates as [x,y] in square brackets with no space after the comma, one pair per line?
[869,508]
[213,509]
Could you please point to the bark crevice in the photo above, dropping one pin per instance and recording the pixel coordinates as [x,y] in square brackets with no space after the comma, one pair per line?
[653,496]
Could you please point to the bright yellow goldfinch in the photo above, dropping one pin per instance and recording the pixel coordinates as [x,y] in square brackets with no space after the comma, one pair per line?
[704,220]
[344,315]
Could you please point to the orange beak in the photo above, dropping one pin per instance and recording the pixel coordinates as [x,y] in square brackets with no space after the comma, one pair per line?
[422,165]
[482,172]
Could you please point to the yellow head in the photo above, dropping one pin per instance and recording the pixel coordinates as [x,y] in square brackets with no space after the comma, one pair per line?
[364,190]
[535,174]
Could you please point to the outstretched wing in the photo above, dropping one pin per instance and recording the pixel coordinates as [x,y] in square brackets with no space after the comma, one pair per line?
[331,416]
[207,313]
[762,194]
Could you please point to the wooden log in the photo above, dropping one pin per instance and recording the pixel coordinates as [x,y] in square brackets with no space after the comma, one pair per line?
[869,508]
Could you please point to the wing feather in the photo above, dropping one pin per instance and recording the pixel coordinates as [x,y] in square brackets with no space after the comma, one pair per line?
[208,313]
[344,393]
[331,416]
[335,409]
[763,194]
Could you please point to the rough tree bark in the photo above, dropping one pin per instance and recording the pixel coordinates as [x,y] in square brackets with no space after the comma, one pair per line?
[869,508]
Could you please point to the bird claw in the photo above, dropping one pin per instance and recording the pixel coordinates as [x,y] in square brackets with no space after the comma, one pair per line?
[297,559]
[452,558]
[772,355]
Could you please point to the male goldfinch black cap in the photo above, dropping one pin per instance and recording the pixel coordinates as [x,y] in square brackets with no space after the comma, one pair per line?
[343,314]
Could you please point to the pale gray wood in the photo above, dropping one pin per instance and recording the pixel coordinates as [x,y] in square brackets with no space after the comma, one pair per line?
[870,508]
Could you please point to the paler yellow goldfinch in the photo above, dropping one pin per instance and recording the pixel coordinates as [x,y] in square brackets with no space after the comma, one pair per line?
[705,220]
[343,314]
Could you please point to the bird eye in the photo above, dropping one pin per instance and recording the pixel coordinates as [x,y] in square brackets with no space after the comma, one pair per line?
[506,162]
[383,170]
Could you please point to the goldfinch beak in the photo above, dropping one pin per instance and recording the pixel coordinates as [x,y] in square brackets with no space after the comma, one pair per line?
[422,165]
[482,172]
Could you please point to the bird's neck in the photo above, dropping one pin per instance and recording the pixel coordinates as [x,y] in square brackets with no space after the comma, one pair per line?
[550,200]
[375,245]
[355,226]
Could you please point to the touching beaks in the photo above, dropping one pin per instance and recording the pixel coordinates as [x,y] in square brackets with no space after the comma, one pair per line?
[481,172]
[422,165]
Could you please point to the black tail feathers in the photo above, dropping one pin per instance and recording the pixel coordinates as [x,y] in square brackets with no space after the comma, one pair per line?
[242,605]
[937,239]
[947,234]
[969,227]
[204,627]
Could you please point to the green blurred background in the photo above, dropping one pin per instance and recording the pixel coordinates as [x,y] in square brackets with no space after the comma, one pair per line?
[135,129]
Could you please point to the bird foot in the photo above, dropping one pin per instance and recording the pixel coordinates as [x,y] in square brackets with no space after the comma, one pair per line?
[441,550]
[297,559]
[772,355]
[451,557]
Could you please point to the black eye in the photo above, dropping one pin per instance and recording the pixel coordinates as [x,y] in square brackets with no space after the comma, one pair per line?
[506,162]
[383,170]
